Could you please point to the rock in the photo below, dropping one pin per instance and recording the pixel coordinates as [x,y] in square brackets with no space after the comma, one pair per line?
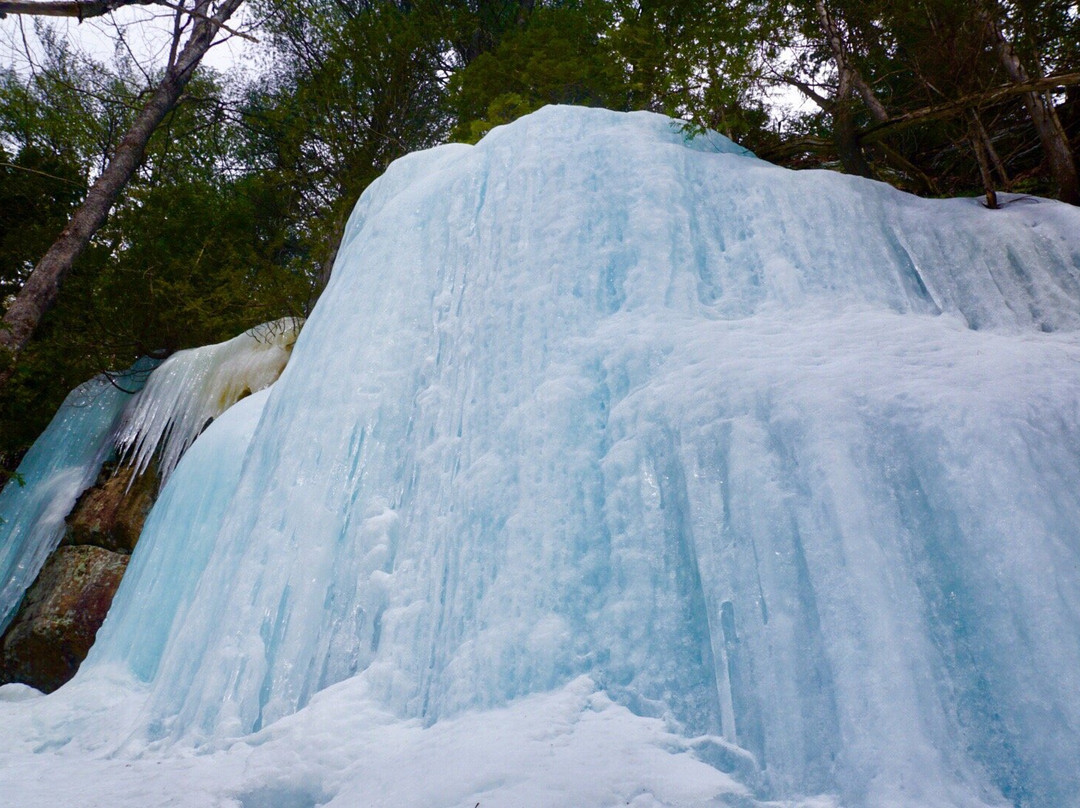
[61,613]
[60,616]
[111,514]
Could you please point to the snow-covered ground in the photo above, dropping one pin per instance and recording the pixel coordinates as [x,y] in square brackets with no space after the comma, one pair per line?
[572,746]
[615,468]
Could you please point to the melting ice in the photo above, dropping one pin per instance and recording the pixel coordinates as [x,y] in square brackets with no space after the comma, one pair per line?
[619,468]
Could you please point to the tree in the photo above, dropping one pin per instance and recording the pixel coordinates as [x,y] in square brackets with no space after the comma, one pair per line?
[694,60]
[38,190]
[1039,105]
[558,55]
[352,86]
[197,249]
[40,289]
[933,95]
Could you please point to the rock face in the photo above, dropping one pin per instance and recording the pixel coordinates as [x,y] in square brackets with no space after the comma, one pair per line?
[111,513]
[64,608]
[60,616]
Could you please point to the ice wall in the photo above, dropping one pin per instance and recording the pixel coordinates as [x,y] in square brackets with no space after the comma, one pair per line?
[61,464]
[789,459]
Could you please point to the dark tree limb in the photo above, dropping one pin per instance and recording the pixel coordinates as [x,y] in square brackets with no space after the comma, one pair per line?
[39,292]
[40,173]
[951,109]
[809,144]
[80,9]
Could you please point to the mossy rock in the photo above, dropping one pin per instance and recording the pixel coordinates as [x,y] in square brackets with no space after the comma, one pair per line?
[60,616]
[112,512]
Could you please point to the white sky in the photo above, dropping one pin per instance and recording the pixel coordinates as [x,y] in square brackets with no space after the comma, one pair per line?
[144,30]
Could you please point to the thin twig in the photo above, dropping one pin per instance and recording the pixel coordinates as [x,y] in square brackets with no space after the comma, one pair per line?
[202,16]
[42,173]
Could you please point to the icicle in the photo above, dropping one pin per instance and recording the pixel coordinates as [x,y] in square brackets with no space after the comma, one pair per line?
[194,387]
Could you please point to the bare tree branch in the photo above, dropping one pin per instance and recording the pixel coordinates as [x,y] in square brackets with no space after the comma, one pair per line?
[199,15]
[80,9]
[959,106]
[41,173]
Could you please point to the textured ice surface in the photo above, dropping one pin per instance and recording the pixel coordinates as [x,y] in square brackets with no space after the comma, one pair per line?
[171,406]
[193,387]
[61,464]
[778,470]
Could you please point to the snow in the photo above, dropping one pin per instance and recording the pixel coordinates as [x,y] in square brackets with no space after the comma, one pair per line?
[573,746]
[613,468]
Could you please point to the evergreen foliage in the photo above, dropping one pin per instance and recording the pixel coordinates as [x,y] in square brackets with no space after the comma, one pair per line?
[236,213]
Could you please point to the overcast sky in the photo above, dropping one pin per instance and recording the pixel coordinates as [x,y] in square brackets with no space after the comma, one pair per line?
[142,29]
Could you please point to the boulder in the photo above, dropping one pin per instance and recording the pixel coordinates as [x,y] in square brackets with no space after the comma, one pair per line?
[111,513]
[60,616]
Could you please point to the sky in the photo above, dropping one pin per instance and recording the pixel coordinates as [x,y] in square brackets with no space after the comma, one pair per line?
[143,30]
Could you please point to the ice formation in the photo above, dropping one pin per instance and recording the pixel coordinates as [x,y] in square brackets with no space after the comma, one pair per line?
[143,413]
[602,433]
[57,468]
[193,387]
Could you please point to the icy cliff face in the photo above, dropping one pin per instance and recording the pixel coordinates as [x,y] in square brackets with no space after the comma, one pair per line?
[787,460]
[60,465]
[145,414]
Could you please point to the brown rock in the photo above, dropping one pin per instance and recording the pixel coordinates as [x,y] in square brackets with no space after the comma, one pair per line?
[112,512]
[60,616]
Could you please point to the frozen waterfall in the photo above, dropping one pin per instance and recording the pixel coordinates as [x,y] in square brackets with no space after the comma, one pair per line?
[193,387]
[60,465]
[654,473]
[146,412]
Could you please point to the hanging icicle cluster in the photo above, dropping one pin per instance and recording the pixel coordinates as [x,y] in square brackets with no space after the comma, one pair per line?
[194,387]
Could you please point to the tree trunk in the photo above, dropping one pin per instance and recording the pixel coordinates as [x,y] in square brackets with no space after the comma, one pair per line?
[991,151]
[1040,107]
[39,292]
[975,136]
[845,133]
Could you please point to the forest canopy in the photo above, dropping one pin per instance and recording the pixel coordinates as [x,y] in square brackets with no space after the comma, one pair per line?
[232,210]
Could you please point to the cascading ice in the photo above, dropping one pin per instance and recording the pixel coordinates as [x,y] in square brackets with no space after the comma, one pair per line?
[193,387]
[63,461]
[597,433]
